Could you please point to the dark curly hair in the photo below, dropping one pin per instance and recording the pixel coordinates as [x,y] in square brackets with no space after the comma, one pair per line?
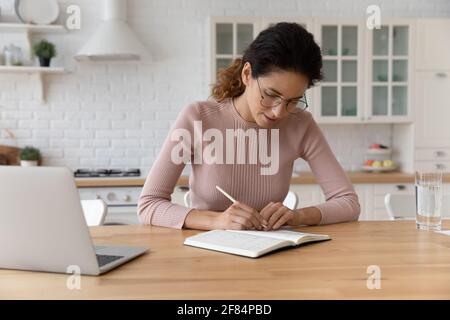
[284,46]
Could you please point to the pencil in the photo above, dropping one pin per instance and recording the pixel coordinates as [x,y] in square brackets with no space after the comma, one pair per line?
[232,199]
[226,194]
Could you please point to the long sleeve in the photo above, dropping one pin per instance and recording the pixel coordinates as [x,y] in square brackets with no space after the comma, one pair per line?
[154,205]
[341,199]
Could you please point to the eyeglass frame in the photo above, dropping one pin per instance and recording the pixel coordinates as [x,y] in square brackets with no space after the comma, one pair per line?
[287,101]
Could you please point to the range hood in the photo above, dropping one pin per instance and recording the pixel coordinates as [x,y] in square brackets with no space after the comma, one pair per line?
[113,40]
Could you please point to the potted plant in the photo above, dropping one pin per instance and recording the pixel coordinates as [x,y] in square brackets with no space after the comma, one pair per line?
[29,156]
[45,51]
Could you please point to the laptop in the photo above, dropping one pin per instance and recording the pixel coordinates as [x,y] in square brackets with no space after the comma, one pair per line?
[42,225]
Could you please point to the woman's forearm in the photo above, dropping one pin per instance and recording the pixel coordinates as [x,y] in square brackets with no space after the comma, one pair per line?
[204,220]
[200,220]
[307,216]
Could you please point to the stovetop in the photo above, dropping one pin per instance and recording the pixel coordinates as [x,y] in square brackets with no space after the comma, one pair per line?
[106,173]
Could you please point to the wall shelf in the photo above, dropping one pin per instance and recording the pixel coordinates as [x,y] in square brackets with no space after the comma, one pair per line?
[31,28]
[37,72]
[27,31]
[30,69]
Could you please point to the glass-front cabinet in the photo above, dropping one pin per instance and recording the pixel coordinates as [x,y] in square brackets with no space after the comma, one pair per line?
[339,93]
[389,73]
[367,73]
[230,37]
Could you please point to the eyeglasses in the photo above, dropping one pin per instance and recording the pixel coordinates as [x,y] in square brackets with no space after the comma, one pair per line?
[292,105]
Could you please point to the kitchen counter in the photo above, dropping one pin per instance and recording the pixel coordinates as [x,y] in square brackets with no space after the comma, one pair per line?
[302,178]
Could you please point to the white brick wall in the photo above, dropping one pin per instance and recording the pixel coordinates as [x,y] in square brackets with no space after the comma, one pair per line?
[118,115]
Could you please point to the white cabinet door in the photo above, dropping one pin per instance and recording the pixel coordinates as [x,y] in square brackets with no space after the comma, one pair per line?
[230,36]
[389,73]
[433,45]
[308,194]
[340,93]
[432,109]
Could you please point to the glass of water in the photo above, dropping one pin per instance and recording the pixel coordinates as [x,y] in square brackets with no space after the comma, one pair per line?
[428,199]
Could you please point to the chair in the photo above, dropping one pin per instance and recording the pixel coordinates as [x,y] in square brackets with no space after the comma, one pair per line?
[403,206]
[187,199]
[94,212]
[290,201]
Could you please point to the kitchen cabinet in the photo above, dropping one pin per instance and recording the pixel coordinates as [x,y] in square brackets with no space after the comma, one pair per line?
[340,92]
[433,158]
[229,38]
[368,74]
[432,130]
[433,109]
[433,45]
[389,63]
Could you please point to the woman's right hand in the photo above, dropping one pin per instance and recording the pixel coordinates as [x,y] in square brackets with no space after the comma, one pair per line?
[239,216]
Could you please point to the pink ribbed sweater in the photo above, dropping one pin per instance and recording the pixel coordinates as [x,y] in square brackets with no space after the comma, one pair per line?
[299,137]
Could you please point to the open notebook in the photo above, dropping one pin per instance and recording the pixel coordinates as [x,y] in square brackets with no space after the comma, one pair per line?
[251,243]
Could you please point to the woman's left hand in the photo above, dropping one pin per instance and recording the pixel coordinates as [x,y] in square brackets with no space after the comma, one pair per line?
[277,215]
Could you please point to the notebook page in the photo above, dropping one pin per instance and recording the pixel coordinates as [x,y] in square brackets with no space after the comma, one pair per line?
[225,239]
[279,234]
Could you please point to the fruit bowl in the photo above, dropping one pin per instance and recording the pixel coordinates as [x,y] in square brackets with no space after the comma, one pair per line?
[379,169]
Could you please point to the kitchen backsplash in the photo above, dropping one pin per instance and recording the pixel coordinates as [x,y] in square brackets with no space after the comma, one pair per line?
[118,115]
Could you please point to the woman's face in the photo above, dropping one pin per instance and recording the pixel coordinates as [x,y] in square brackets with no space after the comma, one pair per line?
[285,84]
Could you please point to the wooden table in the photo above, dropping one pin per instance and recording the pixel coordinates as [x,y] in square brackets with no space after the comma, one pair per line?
[414,264]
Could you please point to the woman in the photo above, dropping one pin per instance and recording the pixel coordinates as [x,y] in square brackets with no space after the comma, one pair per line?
[265,91]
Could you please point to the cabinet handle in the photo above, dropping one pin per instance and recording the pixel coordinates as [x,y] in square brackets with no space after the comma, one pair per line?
[183,188]
[441,74]
[439,154]
[400,187]
[440,166]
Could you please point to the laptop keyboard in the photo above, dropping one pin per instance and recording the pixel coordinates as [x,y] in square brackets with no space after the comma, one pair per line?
[103,259]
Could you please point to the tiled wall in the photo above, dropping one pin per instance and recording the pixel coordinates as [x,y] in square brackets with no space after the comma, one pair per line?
[117,115]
